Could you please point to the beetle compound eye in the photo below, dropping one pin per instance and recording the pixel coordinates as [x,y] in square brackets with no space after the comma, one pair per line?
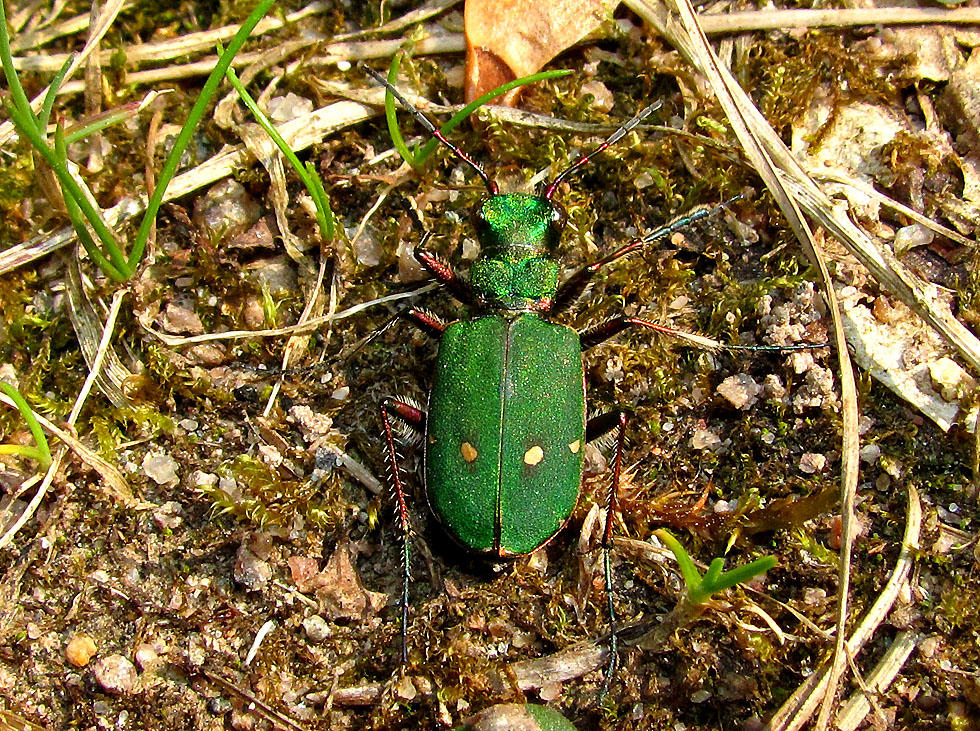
[478,215]
[558,216]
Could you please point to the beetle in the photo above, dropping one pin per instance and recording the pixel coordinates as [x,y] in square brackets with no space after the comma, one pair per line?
[506,423]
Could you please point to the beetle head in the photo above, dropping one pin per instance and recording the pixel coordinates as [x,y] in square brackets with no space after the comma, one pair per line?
[519,224]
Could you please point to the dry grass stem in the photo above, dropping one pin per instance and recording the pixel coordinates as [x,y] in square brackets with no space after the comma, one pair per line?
[103,349]
[751,20]
[175,341]
[857,707]
[90,331]
[798,709]
[45,32]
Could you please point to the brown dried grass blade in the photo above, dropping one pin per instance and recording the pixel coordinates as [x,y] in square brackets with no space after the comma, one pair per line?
[799,708]
[777,167]
[89,327]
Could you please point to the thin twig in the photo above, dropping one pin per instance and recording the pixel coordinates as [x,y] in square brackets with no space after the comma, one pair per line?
[308,326]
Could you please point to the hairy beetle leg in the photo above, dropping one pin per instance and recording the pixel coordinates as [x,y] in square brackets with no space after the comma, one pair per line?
[430,324]
[595,428]
[415,419]
[447,276]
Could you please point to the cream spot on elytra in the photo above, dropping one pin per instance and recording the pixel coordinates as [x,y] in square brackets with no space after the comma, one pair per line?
[534,455]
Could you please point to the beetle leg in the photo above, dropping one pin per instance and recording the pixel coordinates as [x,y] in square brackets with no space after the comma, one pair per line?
[447,276]
[597,427]
[431,325]
[604,330]
[573,287]
[415,419]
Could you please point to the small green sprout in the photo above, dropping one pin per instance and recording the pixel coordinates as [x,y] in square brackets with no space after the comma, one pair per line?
[270,308]
[700,588]
[41,453]
[307,172]
[418,158]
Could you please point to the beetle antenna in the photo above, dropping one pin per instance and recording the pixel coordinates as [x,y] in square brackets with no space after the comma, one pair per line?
[687,219]
[433,130]
[611,140]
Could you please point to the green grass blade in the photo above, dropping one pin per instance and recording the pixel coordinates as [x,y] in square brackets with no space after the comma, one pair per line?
[115,265]
[324,213]
[307,173]
[45,113]
[740,574]
[102,121]
[702,592]
[42,453]
[391,116]
[187,131]
[69,186]
[19,97]
[466,111]
[31,127]
[690,573]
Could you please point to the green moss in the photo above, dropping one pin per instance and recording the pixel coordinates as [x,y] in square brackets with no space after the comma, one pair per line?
[268,499]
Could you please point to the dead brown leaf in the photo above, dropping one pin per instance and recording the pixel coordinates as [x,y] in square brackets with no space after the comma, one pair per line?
[508,39]
[339,587]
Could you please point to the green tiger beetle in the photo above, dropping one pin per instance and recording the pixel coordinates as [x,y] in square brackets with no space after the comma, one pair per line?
[506,422]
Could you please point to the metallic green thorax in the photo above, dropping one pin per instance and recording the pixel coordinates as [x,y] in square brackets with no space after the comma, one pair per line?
[519,235]
[506,432]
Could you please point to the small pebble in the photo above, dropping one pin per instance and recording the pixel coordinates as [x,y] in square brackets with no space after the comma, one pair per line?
[367,249]
[226,210]
[812,462]
[80,650]
[116,675]
[289,107]
[602,98]
[250,571]
[471,249]
[740,390]
[870,453]
[161,468]
[950,379]
[405,690]
[167,516]
[146,657]
[219,706]
[179,319]
[550,692]
[317,628]
[909,237]
[704,439]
